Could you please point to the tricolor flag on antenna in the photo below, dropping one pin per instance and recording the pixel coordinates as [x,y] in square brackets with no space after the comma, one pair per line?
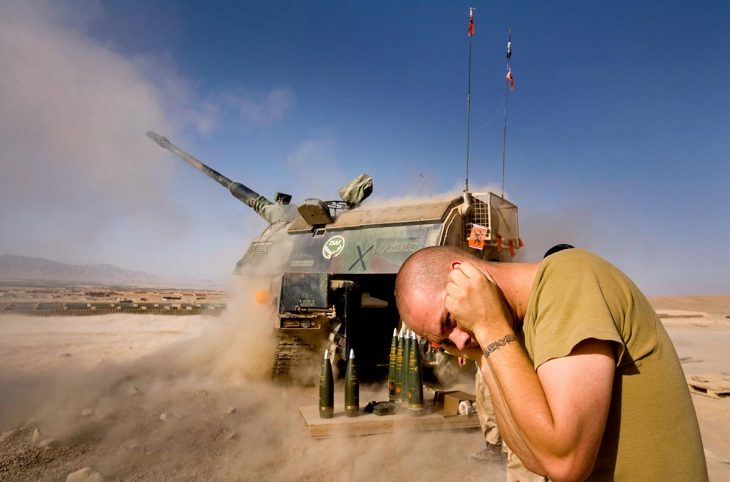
[470,31]
[510,78]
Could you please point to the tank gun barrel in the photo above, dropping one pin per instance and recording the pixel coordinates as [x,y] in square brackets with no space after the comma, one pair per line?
[272,212]
[238,190]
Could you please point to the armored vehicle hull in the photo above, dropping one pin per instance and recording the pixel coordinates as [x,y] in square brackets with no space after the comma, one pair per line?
[330,267]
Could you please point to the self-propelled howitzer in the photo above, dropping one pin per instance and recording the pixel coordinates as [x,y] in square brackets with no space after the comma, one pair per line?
[328,267]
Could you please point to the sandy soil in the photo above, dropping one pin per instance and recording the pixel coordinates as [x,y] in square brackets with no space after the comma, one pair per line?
[138,397]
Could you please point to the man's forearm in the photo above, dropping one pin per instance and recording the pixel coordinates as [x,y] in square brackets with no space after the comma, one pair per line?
[561,436]
[517,394]
[508,430]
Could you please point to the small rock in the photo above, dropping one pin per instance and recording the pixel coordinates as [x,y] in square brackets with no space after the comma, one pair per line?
[134,391]
[87,412]
[87,474]
[202,393]
[65,355]
[230,410]
[165,416]
[36,436]
[48,443]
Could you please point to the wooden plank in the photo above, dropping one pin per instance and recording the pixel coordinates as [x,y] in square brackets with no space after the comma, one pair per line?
[370,424]
[714,385]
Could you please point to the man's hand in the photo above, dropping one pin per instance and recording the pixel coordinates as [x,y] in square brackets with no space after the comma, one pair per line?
[476,303]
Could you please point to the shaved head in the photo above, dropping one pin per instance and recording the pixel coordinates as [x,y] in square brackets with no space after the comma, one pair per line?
[426,270]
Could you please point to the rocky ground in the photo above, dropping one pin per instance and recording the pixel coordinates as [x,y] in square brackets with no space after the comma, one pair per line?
[138,397]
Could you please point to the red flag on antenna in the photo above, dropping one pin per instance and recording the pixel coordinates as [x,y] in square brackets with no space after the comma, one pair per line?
[470,31]
[511,79]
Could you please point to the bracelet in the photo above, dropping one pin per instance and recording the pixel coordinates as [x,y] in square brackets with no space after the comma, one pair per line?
[496,345]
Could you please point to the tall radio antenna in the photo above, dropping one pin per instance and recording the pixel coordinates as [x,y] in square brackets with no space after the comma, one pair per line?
[509,84]
[470,34]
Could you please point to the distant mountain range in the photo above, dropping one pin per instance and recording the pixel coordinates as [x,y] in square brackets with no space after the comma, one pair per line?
[26,268]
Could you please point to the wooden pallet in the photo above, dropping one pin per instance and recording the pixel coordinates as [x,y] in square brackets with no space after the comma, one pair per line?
[714,385]
[370,424]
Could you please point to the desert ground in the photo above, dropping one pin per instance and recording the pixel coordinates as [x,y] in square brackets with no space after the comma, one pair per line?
[155,397]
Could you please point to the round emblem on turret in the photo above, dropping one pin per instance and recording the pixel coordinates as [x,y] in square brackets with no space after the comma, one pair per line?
[333,247]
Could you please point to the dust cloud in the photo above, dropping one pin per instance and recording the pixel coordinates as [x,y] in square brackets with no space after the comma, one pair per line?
[74,158]
[200,407]
[541,230]
[420,196]
[73,111]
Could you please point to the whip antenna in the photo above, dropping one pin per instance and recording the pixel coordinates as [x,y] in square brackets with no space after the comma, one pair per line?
[509,85]
[470,34]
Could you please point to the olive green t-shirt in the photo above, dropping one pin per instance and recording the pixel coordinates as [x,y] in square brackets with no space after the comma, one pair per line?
[652,431]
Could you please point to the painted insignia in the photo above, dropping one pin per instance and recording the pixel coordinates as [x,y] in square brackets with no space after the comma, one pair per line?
[333,247]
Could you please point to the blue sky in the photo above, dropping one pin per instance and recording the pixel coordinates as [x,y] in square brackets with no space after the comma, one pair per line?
[617,142]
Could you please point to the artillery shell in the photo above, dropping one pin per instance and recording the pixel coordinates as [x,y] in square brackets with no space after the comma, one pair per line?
[352,387]
[399,368]
[415,380]
[392,374]
[404,370]
[326,389]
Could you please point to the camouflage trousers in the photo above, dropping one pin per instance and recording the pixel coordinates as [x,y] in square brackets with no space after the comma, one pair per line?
[516,471]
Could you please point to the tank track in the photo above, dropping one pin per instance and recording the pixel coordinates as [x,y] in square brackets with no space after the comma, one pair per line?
[290,351]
